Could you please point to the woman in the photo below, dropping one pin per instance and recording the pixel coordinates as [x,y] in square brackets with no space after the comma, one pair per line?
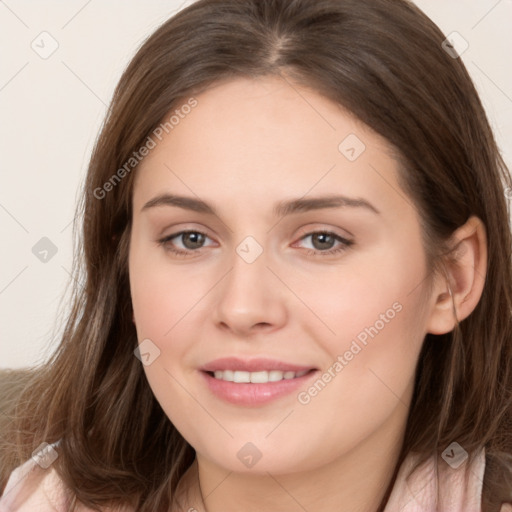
[295,219]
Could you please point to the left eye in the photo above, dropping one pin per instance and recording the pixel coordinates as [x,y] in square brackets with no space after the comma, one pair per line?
[324,241]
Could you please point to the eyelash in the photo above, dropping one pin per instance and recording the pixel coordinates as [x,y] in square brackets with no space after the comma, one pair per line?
[345,244]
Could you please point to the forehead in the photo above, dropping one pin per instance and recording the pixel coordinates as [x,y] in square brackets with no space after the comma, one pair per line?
[265,139]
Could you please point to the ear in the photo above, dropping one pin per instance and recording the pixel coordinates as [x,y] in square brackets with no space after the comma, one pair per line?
[456,295]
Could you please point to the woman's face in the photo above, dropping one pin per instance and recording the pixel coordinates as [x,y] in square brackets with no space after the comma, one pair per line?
[262,166]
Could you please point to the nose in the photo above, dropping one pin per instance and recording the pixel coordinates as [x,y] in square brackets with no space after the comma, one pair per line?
[250,298]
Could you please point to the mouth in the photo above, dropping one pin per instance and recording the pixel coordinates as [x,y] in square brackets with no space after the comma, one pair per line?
[259,377]
[254,382]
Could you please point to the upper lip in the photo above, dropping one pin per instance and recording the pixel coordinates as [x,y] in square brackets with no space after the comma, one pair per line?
[252,365]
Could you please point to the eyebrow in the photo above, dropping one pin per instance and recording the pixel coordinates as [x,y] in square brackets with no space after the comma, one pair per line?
[281,209]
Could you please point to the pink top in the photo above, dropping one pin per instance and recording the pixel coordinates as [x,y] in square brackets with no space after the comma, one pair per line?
[432,488]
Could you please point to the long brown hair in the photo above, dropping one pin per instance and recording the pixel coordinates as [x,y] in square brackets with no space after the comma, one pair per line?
[383,61]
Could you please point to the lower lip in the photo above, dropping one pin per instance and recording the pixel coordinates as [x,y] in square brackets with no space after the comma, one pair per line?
[254,394]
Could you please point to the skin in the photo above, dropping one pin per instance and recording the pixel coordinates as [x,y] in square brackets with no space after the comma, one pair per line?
[246,146]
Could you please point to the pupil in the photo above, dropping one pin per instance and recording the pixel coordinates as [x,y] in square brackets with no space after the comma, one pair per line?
[325,240]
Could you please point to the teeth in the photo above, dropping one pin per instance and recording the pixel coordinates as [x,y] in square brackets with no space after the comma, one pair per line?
[256,377]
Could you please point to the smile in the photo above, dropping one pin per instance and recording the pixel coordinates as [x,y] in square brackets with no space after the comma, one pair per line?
[260,377]
[258,388]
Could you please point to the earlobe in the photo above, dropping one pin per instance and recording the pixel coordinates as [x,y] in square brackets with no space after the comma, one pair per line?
[457,293]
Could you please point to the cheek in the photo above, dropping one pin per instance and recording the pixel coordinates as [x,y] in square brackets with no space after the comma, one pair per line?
[162,294]
[370,320]
[369,374]
[345,300]
[162,298]
[154,307]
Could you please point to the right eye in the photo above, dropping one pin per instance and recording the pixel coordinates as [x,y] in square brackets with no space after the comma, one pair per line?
[191,241]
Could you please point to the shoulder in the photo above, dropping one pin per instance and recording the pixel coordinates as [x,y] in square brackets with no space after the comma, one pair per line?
[32,487]
[440,483]
[498,480]
[38,486]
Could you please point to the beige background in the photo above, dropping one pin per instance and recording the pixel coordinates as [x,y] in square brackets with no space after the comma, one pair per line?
[51,112]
